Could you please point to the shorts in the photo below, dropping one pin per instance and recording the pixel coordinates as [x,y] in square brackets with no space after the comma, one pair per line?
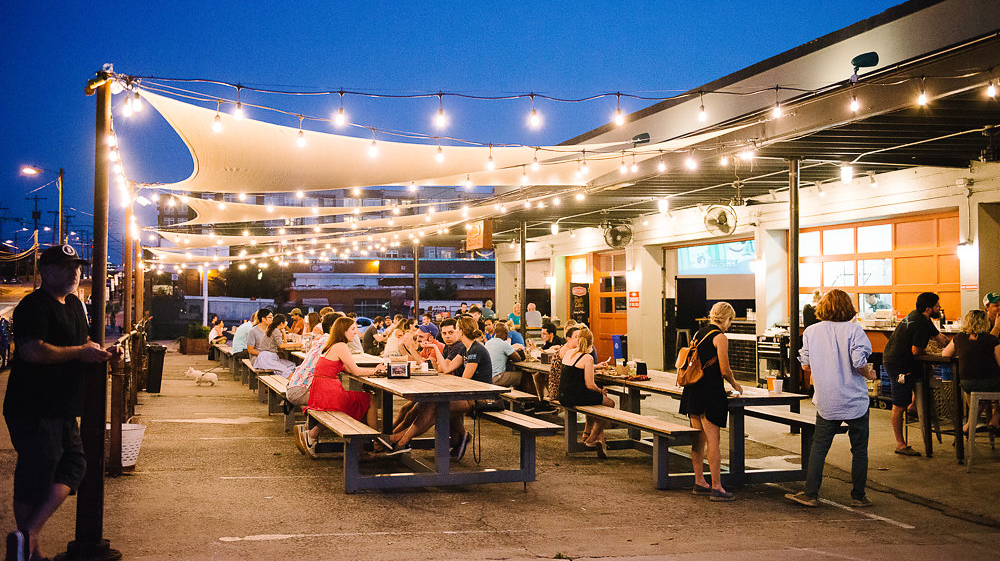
[987,385]
[49,450]
[297,395]
[509,379]
[902,394]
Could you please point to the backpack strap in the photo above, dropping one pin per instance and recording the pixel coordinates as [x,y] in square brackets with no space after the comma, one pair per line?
[703,337]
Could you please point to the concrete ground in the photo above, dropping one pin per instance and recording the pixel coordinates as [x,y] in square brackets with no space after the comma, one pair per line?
[219,479]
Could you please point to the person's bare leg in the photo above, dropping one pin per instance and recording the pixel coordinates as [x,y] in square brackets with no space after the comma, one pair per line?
[541,381]
[458,409]
[896,419]
[424,421]
[995,419]
[713,454]
[403,418]
[371,417]
[698,452]
[31,517]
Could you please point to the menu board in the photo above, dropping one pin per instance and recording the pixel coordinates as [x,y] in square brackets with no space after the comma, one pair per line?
[579,302]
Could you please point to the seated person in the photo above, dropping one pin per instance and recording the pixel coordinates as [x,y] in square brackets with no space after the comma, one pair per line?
[978,353]
[549,337]
[427,343]
[489,325]
[426,321]
[577,387]
[217,335]
[500,351]
[297,392]
[328,394]
[372,342]
[477,366]
[445,358]
[297,324]
[514,335]
[267,342]
[314,323]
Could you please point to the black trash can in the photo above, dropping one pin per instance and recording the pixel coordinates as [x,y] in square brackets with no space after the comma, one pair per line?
[155,374]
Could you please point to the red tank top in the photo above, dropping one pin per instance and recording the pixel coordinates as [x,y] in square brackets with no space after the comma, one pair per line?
[326,368]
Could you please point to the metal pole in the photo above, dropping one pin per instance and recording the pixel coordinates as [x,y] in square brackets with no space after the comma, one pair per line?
[416,282]
[127,264]
[522,295]
[204,293]
[62,173]
[795,340]
[34,266]
[90,543]
[140,283]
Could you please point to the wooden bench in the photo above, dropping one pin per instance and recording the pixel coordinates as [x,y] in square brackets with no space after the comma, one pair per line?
[805,423]
[224,353]
[665,434]
[519,399]
[528,428]
[271,389]
[250,374]
[353,432]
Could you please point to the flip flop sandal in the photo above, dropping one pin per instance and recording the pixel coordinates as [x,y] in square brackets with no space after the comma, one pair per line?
[908,451]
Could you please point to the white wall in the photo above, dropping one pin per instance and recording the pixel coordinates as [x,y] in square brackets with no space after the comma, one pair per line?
[726,287]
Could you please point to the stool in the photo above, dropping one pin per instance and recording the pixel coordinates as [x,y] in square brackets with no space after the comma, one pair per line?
[974,399]
[687,338]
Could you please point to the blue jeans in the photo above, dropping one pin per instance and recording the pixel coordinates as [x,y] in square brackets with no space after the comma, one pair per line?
[857,431]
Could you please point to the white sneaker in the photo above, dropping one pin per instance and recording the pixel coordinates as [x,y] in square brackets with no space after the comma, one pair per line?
[309,444]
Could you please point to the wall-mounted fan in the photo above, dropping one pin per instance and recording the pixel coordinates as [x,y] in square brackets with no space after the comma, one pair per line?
[618,236]
[720,220]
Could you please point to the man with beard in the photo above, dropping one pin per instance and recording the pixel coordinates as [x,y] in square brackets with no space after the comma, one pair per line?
[45,396]
[908,341]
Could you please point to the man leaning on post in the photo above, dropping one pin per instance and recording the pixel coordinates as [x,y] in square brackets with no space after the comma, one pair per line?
[45,395]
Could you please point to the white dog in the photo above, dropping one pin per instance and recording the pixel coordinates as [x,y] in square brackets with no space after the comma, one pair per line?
[200,377]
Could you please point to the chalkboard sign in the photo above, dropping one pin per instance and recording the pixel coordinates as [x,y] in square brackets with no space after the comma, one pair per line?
[579,302]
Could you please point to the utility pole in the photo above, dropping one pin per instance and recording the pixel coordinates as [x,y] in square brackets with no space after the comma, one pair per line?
[55,227]
[36,215]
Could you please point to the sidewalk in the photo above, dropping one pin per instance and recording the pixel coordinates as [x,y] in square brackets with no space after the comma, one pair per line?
[219,479]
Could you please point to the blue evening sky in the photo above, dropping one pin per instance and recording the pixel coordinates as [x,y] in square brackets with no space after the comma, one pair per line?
[567,49]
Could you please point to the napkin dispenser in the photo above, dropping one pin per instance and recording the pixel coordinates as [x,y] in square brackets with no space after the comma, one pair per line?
[640,368]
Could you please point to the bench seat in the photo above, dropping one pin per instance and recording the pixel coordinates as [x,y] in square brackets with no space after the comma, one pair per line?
[354,433]
[272,387]
[250,374]
[665,434]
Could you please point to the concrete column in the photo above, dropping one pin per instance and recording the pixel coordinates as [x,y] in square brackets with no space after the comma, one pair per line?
[506,285]
[771,278]
[979,264]
[645,324]
[559,297]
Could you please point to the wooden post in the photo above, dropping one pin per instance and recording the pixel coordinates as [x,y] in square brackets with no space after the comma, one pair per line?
[128,266]
[522,295]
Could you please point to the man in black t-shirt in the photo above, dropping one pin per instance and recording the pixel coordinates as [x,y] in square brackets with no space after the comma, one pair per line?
[549,337]
[908,341]
[372,341]
[45,395]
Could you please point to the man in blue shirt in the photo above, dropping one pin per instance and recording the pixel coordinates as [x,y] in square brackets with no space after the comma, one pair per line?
[240,337]
[500,350]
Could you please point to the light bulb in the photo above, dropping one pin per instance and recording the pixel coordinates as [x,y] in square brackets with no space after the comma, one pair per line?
[846,173]
[356,192]
[854,104]
[555,228]
[246,233]
[137,103]
[468,182]
[217,124]
[222,205]
[556,201]
[127,108]
[580,196]
[340,118]
[922,98]
[623,169]
[440,119]
[584,168]
[412,188]
[527,205]
[776,112]
[490,165]
[702,115]
[300,194]
[663,206]
[170,202]
[238,111]
[534,119]
[270,208]
[619,117]
[690,163]
[372,150]
[524,177]
[991,90]
[111,140]
[724,160]
[439,156]
[302,139]
[634,168]
[534,161]
[242,196]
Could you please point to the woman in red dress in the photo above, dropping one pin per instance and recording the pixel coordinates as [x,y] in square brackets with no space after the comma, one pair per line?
[327,393]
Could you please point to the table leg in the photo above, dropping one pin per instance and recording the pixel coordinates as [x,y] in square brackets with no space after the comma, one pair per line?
[386,399]
[958,415]
[632,402]
[923,390]
[737,446]
[442,438]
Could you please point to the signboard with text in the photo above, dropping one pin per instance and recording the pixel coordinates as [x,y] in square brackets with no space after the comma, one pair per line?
[633,299]
[479,235]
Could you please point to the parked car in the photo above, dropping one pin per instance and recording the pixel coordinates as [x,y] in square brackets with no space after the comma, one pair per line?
[363,322]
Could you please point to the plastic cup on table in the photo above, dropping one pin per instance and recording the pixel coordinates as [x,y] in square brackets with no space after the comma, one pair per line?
[777,385]
[770,384]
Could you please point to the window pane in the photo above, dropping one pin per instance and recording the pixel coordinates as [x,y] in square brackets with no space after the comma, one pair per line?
[875,272]
[875,238]
[810,274]
[872,302]
[838,273]
[809,244]
[618,262]
[621,304]
[606,284]
[838,242]
[607,305]
[619,283]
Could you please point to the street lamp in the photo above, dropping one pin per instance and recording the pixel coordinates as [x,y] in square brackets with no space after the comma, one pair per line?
[35,170]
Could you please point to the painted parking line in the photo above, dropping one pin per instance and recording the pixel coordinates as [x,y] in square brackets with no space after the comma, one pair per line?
[277,537]
[868,515]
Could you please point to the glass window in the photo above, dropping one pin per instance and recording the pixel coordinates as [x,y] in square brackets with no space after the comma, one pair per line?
[838,273]
[621,304]
[838,242]
[875,272]
[873,302]
[809,244]
[810,274]
[875,238]
[607,305]
[618,283]
[618,262]
[606,284]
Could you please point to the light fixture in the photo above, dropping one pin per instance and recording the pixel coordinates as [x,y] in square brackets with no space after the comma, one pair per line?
[965,250]
[524,175]
[527,204]
[991,90]
[854,103]
[623,168]
[619,116]
[340,118]
[690,163]
[242,197]
[238,111]
[468,182]
[663,205]
[702,115]
[302,138]
[440,154]
[584,168]
[373,147]
[555,228]
[534,161]
[217,122]
[300,194]
[556,201]
[776,112]
[411,188]
[490,165]
[127,107]
[440,120]
[357,193]
[580,196]
[819,189]
[871,179]
[634,167]
[846,173]
[534,119]
[661,166]
[724,160]
[922,98]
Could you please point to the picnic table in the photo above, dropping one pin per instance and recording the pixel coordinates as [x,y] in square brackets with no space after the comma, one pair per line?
[665,383]
[439,391]
[361,359]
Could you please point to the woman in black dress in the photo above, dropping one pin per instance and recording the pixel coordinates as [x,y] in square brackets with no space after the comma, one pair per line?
[704,402]
[577,387]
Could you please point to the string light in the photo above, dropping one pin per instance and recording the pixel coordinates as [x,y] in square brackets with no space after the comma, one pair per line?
[663,205]
[724,160]
[412,188]
[137,102]
[242,197]
[819,189]
[556,201]
[691,163]
[357,193]
[490,165]
[238,110]
[524,176]
[373,148]
[534,161]
[300,194]
[302,138]
[584,168]
[440,119]
[440,154]
[217,122]
[846,173]
[555,228]
[340,118]
[623,169]
[127,108]
[922,98]
[534,119]
[854,104]
[634,167]
[619,116]
[702,115]
[776,112]
[580,196]
[991,90]
[468,182]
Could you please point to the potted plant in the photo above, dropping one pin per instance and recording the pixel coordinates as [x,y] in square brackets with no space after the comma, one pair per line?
[196,340]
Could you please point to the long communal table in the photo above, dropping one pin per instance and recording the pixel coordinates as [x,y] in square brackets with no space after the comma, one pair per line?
[361,359]
[439,391]
[665,383]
